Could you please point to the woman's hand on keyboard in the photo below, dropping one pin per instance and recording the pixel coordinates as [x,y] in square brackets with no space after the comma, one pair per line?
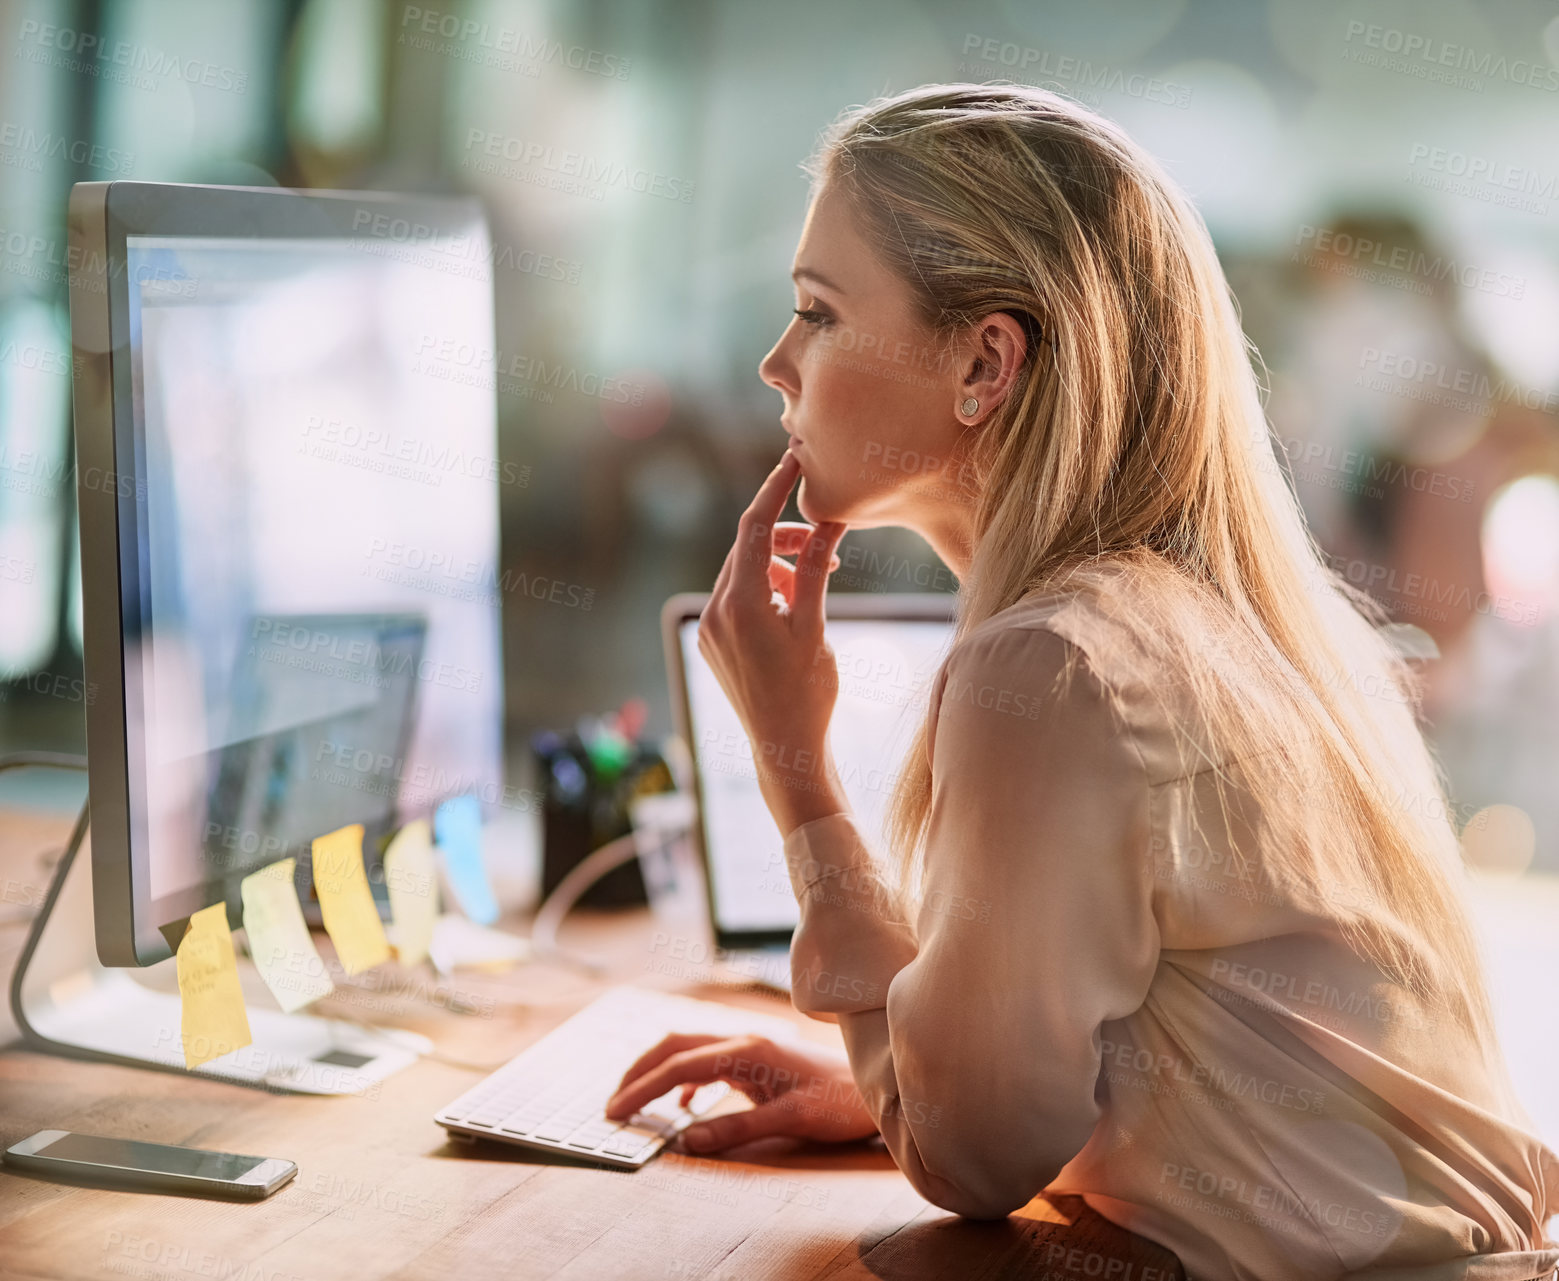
[801,1090]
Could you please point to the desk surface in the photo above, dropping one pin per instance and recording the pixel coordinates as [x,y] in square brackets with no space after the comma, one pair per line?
[381,1192]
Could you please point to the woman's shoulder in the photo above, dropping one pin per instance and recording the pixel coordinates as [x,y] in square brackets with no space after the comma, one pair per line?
[1112,612]
[1099,633]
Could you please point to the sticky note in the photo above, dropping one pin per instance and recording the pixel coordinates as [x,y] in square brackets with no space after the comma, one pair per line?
[346,902]
[279,938]
[412,879]
[457,827]
[214,1020]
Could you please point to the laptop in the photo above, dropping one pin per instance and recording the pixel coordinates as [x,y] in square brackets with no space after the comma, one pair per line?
[888,648]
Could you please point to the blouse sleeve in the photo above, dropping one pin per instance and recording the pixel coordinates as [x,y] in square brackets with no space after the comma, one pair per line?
[975,1037]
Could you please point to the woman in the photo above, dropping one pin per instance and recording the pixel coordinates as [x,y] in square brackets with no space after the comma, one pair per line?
[1173,922]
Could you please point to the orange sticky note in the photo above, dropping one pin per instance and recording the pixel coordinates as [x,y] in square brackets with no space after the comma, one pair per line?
[346,902]
[214,1021]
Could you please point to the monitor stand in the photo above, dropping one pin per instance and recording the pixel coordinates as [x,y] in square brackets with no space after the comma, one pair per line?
[66,1002]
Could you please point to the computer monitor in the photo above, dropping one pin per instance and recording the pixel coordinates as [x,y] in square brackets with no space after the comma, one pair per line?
[288,490]
[887,649]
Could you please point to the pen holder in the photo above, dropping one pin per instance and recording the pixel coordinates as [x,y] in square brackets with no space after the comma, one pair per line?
[586,803]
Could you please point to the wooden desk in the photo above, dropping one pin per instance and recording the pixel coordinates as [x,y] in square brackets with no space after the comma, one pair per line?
[381,1191]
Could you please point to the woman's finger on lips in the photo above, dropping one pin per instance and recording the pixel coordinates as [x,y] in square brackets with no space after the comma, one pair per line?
[755,531]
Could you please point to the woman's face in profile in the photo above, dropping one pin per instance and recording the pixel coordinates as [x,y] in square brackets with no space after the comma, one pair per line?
[868,405]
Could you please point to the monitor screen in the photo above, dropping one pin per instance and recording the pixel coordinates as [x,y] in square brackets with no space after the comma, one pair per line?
[311,607]
[886,668]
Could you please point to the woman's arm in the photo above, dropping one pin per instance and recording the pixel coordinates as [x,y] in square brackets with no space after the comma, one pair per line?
[977,1048]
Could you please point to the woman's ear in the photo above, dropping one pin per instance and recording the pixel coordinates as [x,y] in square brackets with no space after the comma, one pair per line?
[996,350]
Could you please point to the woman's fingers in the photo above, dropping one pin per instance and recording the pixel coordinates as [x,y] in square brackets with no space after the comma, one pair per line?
[793,538]
[723,578]
[728,1130]
[790,536]
[662,1050]
[698,1066]
[779,538]
[755,537]
[785,1083]
[810,582]
[782,577]
[755,532]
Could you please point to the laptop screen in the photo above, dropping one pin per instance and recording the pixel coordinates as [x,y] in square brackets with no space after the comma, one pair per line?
[886,668]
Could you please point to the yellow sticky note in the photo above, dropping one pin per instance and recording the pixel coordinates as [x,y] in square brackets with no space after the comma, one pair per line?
[346,902]
[412,879]
[279,938]
[214,1020]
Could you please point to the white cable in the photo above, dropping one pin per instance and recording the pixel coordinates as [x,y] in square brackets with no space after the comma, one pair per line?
[567,892]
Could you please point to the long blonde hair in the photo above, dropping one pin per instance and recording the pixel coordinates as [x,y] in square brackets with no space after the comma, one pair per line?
[1135,436]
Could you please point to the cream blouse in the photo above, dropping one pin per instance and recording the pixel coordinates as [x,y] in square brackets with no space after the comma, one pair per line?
[1095,1001]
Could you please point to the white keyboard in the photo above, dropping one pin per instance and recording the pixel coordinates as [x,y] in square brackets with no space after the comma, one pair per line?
[553,1095]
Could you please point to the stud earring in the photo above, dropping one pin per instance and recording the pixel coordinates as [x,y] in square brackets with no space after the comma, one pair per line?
[970,406]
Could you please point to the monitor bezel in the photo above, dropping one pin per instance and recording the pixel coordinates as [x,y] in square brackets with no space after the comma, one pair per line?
[909,607]
[131,928]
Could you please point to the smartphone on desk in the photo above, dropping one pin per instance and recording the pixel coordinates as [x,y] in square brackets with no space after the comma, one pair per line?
[149,1167]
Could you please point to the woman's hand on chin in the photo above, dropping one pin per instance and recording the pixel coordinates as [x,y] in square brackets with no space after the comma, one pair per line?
[762,634]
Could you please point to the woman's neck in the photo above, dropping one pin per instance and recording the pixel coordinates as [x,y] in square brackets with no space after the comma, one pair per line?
[951,535]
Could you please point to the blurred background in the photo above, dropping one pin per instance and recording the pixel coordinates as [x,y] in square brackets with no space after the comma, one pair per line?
[1381,179]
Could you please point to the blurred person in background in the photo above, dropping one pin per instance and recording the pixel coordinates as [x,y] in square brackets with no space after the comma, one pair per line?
[1401,467]
[1167,923]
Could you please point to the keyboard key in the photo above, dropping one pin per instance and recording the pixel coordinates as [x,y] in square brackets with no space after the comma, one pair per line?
[628,1144]
[600,1127]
